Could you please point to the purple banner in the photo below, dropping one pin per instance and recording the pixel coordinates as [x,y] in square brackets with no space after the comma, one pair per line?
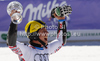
[85,13]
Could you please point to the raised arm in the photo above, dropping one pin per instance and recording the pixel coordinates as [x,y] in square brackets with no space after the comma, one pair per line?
[12,35]
[12,32]
[61,35]
[62,27]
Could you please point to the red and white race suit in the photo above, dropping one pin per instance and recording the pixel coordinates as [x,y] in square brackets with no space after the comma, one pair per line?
[30,53]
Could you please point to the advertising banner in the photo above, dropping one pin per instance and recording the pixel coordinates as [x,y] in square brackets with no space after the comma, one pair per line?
[85,16]
[85,13]
[72,35]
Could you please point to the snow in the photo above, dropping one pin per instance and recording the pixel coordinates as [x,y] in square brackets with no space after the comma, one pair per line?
[75,52]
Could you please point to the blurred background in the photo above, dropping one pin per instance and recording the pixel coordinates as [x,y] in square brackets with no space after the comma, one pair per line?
[83,28]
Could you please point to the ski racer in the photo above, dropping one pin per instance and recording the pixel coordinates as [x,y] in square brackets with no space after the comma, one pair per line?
[38,49]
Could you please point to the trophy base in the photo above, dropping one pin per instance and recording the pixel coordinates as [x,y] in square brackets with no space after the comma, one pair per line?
[16,18]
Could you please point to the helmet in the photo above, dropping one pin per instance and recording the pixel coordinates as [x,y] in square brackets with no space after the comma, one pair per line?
[33,27]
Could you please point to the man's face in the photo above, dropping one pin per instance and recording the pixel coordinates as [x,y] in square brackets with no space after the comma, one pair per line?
[43,35]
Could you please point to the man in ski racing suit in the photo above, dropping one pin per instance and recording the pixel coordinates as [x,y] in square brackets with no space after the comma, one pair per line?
[38,49]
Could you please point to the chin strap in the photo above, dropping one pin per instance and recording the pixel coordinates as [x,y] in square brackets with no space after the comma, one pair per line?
[38,45]
[44,44]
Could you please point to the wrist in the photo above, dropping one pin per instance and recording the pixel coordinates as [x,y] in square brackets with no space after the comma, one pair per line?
[61,20]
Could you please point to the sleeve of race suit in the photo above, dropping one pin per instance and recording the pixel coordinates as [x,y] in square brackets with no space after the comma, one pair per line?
[12,35]
[15,46]
[56,44]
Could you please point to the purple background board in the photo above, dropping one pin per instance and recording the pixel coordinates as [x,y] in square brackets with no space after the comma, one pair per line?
[85,13]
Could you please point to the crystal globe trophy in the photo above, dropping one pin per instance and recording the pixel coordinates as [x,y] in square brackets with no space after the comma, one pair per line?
[16,18]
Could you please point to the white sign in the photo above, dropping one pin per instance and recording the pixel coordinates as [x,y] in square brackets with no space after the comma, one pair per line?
[72,35]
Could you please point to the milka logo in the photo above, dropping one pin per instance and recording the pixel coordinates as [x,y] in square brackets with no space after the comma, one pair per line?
[41,10]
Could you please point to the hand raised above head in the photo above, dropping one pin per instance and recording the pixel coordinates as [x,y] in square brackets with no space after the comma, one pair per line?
[58,17]
[13,11]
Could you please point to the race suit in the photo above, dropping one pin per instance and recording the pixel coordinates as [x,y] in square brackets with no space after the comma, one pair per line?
[33,53]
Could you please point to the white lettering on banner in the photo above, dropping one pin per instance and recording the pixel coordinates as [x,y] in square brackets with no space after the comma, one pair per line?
[41,10]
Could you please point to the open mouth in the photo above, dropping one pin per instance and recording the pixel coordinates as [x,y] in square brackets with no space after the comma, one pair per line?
[45,38]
